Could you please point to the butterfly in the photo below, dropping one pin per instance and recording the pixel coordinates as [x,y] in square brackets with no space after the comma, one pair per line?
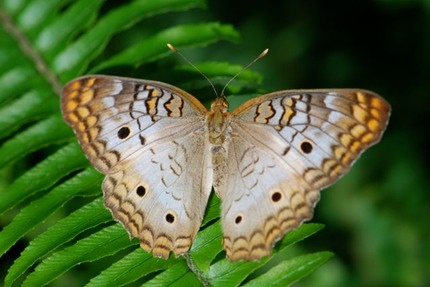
[162,153]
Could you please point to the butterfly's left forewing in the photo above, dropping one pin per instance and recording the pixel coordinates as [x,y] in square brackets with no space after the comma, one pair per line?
[284,147]
[148,138]
[109,114]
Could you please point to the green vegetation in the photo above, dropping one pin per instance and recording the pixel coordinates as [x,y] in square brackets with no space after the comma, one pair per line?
[54,228]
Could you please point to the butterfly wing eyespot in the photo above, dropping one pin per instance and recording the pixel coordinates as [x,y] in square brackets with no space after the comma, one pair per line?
[287,146]
[143,135]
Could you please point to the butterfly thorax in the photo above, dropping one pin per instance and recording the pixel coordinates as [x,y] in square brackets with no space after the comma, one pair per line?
[218,120]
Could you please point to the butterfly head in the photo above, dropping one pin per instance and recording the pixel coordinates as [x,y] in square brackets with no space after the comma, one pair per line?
[219,105]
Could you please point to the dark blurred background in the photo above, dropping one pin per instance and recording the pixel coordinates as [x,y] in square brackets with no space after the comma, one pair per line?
[376,217]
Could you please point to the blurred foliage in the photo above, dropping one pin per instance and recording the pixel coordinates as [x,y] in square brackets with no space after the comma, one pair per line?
[376,216]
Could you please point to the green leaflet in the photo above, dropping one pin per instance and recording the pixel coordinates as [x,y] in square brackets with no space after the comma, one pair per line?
[75,58]
[176,275]
[51,39]
[33,105]
[36,14]
[130,268]
[43,133]
[154,47]
[88,216]
[105,242]
[86,183]
[289,271]
[43,175]
[225,273]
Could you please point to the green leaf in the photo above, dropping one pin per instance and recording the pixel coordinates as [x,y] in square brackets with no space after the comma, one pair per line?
[12,64]
[176,275]
[139,263]
[105,242]
[46,132]
[212,210]
[216,69]
[36,13]
[292,270]
[43,175]
[84,184]
[31,106]
[75,58]
[13,6]
[88,216]
[225,273]
[17,79]
[154,47]
[219,73]
[52,38]
[130,268]
[206,246]
[300,233]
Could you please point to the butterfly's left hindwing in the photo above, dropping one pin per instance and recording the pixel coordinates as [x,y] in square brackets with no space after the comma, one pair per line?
[149,139]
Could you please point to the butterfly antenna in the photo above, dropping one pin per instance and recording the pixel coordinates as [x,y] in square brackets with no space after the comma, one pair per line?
[173,49]
[262,54]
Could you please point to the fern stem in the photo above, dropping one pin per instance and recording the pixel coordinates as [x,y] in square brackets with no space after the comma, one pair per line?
[193,267]
[27,49]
